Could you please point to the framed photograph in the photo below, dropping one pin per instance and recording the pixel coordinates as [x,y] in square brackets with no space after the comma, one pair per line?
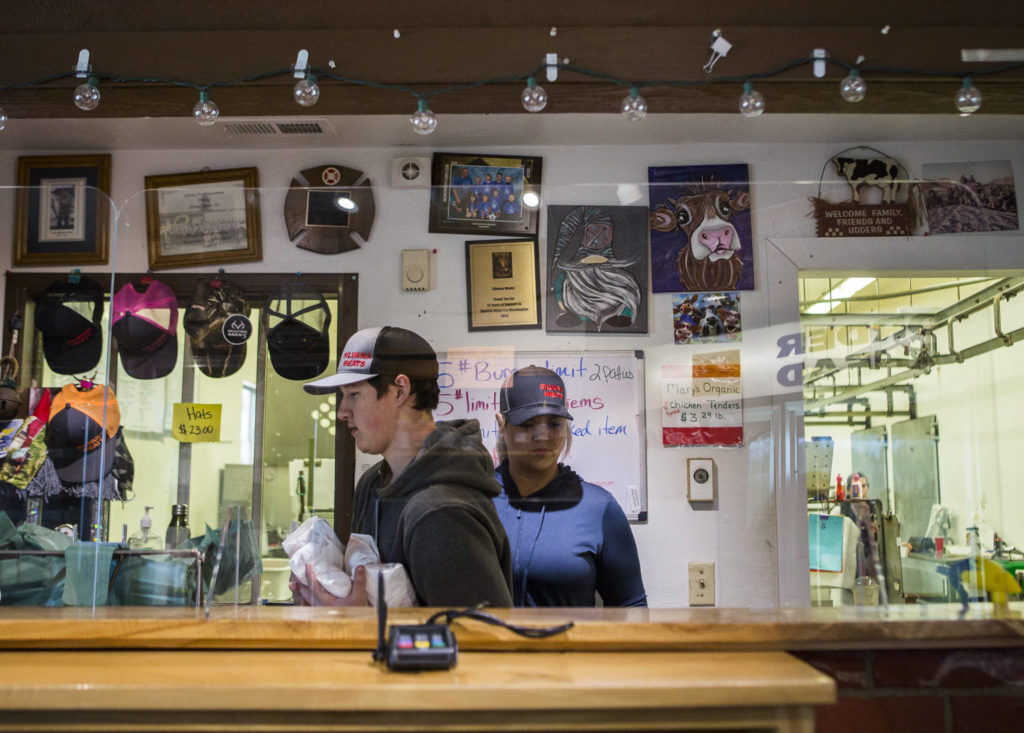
[597,269]
[484,194]
[205,218]
[502,284]
[62,215]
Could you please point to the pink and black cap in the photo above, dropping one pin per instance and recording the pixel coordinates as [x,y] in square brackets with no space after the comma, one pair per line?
[532,391]
[68,314]
[382,349]
[145,323]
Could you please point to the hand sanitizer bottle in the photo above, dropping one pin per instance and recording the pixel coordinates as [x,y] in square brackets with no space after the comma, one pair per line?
[145,538]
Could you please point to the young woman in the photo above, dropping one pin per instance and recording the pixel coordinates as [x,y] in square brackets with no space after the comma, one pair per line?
[570,539]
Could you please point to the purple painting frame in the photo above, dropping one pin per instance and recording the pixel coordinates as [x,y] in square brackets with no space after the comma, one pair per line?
[682,183]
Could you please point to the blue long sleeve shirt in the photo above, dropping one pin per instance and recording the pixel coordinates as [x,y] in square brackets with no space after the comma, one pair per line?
[569,540]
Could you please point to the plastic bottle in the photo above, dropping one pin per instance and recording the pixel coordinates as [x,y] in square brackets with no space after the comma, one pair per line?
[177,530]
[145,538]
[840,496]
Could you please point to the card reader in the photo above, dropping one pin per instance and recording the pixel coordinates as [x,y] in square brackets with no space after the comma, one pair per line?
[420,646]
[425,646]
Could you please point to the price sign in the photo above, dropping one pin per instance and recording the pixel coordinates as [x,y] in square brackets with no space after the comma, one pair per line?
[196,423]
[702,402]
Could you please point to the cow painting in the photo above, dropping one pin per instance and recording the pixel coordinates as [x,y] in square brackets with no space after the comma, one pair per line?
[700,229]
[883,173]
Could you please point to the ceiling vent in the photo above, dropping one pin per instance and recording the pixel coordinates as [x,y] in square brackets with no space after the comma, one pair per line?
[318,126]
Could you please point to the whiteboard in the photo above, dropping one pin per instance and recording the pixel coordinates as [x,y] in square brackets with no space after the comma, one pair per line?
[604,394]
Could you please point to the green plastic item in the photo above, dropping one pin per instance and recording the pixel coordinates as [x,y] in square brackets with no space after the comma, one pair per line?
[155,580]
[88,573]
[31,580]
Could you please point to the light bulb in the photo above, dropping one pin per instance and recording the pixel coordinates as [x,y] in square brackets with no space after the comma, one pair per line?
[3,118]
[853,88]
[306,91]
[87,96]
[968,99]
[423,120]
[751,101]
[634,107]
[534,97]
[205,112]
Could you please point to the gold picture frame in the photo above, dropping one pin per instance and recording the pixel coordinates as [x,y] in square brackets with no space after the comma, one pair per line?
[62,211]
[502,284]
[204,218]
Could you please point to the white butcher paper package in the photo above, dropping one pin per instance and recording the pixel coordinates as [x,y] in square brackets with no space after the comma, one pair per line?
[314,542]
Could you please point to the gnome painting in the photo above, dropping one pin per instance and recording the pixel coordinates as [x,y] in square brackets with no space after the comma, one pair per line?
[597,267]
[701,237]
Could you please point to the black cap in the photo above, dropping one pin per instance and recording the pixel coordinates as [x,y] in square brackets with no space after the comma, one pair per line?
[532,391]
[68,314]
[297,320]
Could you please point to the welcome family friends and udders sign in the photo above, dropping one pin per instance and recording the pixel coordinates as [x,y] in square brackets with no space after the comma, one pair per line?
[702,402]
[604,393]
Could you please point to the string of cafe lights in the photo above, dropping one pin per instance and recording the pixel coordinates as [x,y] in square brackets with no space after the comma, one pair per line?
[534,98]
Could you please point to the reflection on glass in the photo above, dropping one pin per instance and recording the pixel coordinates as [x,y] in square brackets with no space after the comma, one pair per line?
[911,445]
[298,466]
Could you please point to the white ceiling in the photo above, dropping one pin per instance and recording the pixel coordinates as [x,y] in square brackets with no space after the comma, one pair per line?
[181,133]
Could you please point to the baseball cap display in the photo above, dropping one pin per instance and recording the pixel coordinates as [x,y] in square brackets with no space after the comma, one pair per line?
[78,447]
[68,315]
[217,322]
[532,391]
[380,349]
[296,320]
[145,322]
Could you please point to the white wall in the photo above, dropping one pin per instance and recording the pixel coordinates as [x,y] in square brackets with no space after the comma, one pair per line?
[740,534]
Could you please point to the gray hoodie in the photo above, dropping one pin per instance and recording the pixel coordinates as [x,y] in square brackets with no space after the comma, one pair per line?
[437,518]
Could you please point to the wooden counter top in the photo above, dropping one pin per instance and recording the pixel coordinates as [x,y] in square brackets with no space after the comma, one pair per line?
[725,629]
[329,690]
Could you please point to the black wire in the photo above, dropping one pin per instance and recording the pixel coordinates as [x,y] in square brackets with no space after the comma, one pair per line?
[328,73]
[529,632]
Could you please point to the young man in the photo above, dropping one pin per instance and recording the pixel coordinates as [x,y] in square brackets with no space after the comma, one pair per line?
[428,503]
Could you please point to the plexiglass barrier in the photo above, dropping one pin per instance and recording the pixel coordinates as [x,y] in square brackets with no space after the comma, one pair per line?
[828,420]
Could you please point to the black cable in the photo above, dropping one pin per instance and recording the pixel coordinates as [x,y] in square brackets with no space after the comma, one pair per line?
[475,613]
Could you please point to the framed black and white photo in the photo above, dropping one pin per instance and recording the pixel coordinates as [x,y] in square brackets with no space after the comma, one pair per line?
[204,218]
[63,210]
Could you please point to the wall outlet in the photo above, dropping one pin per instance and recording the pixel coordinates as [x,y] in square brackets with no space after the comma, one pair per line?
[702,584]
[700,479]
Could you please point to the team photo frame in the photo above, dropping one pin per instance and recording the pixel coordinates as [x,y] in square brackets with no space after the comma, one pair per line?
[484,194]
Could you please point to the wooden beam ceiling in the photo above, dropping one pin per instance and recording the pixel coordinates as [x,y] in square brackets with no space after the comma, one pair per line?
[446,45]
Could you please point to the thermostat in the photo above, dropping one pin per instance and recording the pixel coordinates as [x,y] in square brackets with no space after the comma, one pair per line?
[415,269]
